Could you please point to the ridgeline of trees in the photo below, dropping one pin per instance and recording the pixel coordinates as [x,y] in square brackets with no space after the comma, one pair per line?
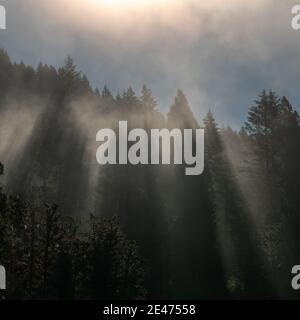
[72,230]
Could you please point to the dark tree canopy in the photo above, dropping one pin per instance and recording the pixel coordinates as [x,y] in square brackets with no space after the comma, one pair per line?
[70,229]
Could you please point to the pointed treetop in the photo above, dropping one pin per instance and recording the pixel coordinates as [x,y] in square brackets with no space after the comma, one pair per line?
[69,70]
[106,92]
[209,120]
[180,113]
[148,101]
[262,115]
[130,99]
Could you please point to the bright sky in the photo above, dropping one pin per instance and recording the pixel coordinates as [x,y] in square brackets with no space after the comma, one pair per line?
[222,53]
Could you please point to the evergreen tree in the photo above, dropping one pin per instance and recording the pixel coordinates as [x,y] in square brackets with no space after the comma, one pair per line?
[196,251]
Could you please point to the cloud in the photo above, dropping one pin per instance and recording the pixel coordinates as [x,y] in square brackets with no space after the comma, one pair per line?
[221,52]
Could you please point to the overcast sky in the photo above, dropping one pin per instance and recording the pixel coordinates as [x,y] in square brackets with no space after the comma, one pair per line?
[221,54]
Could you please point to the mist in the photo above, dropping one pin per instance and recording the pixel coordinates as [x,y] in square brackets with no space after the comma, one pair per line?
[165,64]
[219,53]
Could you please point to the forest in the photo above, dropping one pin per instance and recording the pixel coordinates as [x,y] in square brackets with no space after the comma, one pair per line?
[72,229]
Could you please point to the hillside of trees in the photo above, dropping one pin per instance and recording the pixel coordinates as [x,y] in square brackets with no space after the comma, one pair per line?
[71,229]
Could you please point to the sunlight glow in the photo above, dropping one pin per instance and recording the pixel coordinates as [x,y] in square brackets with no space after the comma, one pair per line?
[129,4]
[125,2]
[119,17]
[139,21]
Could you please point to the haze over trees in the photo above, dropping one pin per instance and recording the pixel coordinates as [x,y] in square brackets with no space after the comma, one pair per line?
[71,229]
